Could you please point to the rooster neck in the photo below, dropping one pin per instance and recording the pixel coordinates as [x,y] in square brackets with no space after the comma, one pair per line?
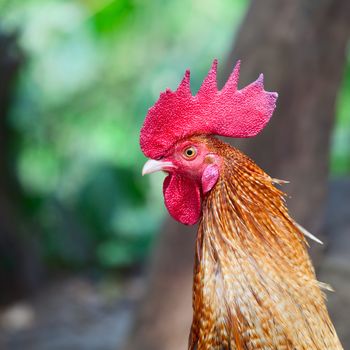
[254,285]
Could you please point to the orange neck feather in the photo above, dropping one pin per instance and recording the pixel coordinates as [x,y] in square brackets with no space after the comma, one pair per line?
[254,285]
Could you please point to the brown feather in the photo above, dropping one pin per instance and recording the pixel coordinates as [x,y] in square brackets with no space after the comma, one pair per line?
[254,284]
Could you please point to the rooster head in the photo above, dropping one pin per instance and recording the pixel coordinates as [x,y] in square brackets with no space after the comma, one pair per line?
[176,135]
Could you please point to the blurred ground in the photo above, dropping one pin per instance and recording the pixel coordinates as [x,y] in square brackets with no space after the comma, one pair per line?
[71,314]
[79,313]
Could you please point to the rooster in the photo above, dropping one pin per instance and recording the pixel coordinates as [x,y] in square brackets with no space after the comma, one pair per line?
[254,286]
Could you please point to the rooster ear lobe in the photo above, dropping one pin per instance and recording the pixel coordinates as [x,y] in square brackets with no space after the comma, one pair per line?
[210,177]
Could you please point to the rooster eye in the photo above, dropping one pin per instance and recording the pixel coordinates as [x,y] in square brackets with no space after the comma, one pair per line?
[190,152]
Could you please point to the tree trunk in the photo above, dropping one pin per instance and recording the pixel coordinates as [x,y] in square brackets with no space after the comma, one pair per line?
[164,317]
[19,263]
[300,46]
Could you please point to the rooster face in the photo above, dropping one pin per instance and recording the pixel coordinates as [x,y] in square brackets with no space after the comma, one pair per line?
[193,169]
[192,163]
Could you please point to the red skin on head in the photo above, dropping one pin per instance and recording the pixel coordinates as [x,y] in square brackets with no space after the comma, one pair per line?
[190,180]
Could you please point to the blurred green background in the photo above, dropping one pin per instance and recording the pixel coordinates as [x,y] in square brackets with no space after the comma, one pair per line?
[90,70]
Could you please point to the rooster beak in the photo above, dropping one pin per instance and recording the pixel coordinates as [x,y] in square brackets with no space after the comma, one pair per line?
[151,166]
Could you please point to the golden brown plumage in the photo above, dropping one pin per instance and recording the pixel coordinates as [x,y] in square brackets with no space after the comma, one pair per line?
[254,285]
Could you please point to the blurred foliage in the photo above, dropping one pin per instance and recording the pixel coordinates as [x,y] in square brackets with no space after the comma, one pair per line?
[93,68]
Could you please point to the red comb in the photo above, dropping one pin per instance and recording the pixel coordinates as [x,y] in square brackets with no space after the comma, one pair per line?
[228,112]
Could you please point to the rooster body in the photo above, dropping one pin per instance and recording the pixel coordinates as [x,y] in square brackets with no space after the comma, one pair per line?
[254,285]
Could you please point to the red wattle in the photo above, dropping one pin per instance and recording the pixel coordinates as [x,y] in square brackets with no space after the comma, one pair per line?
[182,198]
